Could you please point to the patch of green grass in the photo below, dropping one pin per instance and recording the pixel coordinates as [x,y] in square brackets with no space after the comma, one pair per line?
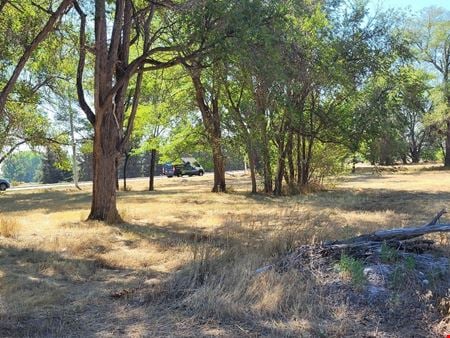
[397,278]
[353,269]
[388,254]
[410,263]
[403,276]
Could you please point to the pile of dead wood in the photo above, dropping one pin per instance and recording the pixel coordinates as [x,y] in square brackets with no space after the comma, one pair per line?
[404,240]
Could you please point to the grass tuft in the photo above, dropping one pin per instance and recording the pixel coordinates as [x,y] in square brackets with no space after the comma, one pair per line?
[9,227]
[352,269]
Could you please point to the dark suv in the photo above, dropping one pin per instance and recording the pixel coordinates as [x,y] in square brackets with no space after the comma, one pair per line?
[4,184]
[189,167]
[168,169]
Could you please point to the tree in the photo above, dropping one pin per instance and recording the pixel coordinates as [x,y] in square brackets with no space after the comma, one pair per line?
[55,166]
[24,29]
[131,44]
[164,102]
[413,105]
[24,166]
[29,48]
[222,26]
[431,34]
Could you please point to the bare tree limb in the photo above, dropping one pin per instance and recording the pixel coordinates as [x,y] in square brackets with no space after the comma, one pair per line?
[131,119]
[437,217]
[80,68]
[11,150]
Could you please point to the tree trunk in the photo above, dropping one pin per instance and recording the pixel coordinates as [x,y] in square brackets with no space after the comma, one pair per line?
[290,159]
[103,207]
[281,165]
[107,121]
[208,103]
[305,163]
[447,146]
[117,174]
[151,179]
[74,149]
[251,163]
[415,156]
[219,166]
[266,158]
[260,94]
[299,159]
[112,74]
[125,167]
[280,175]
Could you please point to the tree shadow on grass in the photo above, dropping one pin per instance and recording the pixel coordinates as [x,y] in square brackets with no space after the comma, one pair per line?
[44,294]
[49,201]
[422,205]
[57,200]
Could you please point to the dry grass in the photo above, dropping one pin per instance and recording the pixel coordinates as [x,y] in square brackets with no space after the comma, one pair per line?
[183,263]
[9,227]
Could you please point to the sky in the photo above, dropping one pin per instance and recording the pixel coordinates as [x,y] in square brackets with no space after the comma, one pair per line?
[414,5]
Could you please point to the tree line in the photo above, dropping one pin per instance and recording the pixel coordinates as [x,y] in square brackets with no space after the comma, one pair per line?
[297,88]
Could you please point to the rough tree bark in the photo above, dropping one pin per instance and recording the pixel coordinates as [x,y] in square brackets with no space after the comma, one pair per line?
[125,167]
[112,74]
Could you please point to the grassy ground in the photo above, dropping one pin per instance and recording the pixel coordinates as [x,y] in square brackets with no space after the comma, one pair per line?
[183,263]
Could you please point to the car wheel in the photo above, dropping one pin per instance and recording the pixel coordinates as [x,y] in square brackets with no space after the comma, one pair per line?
[200,173]
[169,176]
[3,186]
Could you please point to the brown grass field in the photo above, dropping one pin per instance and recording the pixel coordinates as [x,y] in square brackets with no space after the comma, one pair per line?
[183,263]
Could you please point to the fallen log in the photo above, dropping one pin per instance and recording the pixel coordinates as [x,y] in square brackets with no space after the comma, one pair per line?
[398,234]
[364,246]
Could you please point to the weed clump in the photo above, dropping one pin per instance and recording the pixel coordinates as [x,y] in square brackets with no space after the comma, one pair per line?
[352,269]
[9,227]
[388,254]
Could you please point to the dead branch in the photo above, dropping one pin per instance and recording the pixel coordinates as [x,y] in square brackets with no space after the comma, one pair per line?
[363,246]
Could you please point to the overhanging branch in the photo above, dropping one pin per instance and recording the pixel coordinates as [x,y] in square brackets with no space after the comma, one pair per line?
[80,68]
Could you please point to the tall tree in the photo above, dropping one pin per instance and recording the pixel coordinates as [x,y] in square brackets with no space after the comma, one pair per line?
[24,166]
[130,44]
[431,34]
